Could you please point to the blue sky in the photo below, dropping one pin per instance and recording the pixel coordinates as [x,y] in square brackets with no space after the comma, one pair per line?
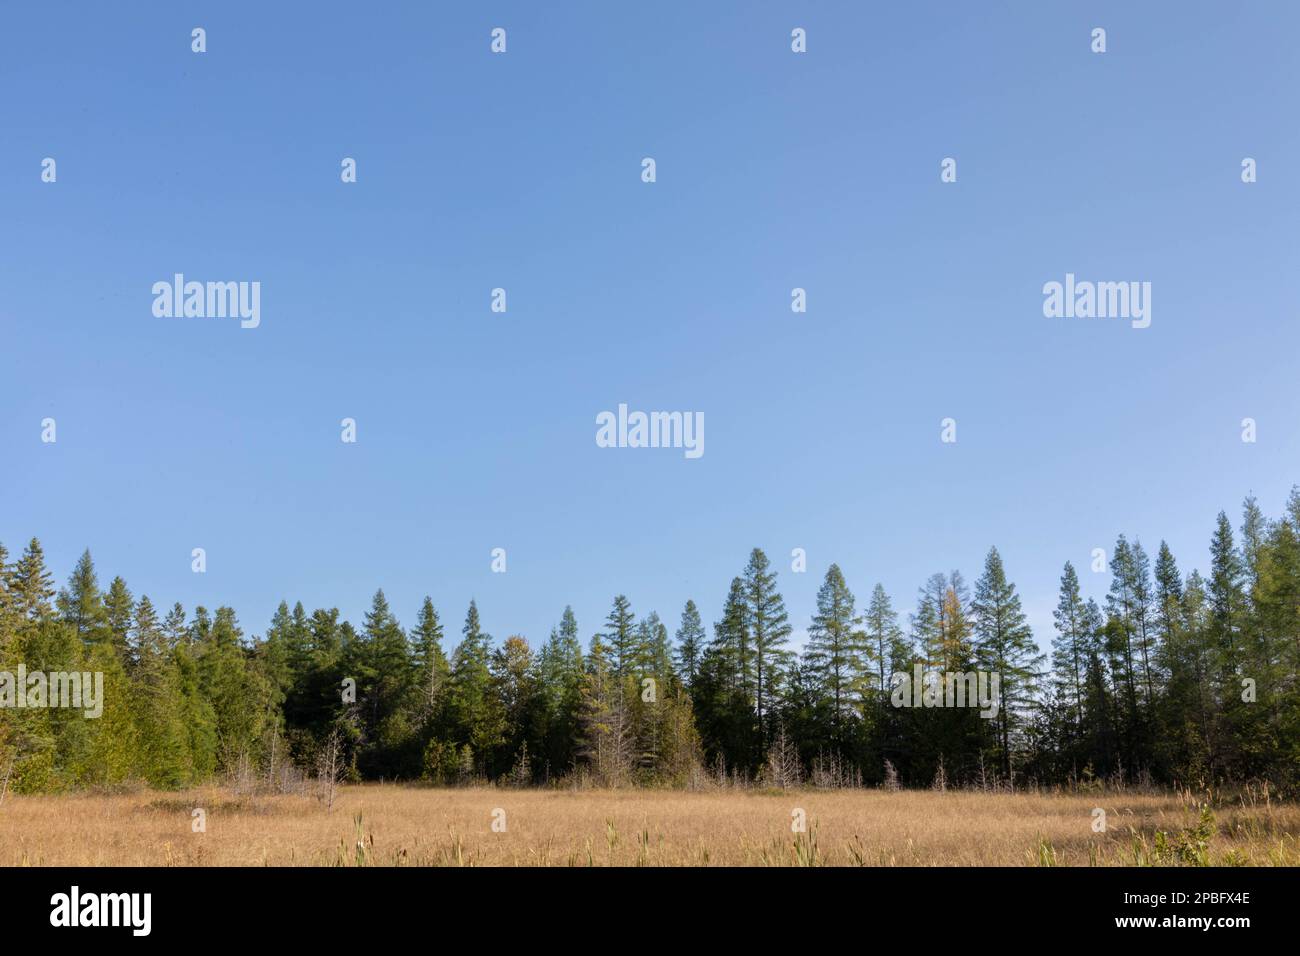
[774,170]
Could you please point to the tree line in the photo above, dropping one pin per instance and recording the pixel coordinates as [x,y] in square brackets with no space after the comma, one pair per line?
[1171,678]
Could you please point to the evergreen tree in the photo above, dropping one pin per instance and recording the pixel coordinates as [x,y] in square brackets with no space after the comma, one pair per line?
[835,656]
[275,656]
[1226,622]
[1071,646]
[234,693]
[81,606]
[174,626]
[769,629]
[119,612]
[940,625]
[514,685]
[31,585]
[1119,606]
[1005,646]
[606,743]
[165,760]
[385,676]
[889,649]
[1193,681]
[561,675]
[1144,625]
[623,638]
[691,640]
[474,713]
[731,645]
[657,651]
[432,669]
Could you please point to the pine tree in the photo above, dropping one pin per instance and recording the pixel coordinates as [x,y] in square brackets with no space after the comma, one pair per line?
[1254,535]
[605,743]
[1193,680]
[432,668]
[1226,622]
[165,760]
[28,744]
[1168,594]
[514,686]
[836,651]
[560,667]
[1071,645]
[657,651]
[1194,692]
[385,678]
[234,692]
[889,649]
[197,715]
[624,640]
[81,606]
[174,626]
[1144,626]
[731,646]
[1005,646]
[1275,650]
[769,629]
[649,692]
[941,629]
[113,751]
[1119,607]
[275,656]
[474,714]
[119,612]
[31,584]
[691,639]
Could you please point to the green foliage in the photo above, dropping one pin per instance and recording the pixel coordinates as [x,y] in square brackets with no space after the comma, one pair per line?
[1183,679]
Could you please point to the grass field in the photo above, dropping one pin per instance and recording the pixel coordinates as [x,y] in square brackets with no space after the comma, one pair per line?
[414,826]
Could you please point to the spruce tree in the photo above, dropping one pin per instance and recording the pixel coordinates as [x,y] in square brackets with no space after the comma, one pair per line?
[657,650]
[605,743]
[623,638]
[432,668]
[691,639]
[1119,607]
[889,648]
[514,686]
[768,626]
[174,626]
[475,714]
[1145,630]
[165,759]
[31,584]
[81,606]
[1226,623]
[835,655]
[731,646]
[560,667]
[1005,646]
[1071,646]
[119,613]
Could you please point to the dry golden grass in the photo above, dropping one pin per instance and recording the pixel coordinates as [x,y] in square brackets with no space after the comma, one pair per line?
[404,825]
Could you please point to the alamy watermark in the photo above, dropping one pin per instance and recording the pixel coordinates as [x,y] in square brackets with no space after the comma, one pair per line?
[75,908]
[208,300]
[1082,299]
[651,430]
[76,690]
[924,688]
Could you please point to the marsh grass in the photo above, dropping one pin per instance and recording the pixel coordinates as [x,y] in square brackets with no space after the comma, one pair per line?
[391,825]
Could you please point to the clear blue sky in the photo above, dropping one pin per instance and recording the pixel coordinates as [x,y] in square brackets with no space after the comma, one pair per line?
[775,170]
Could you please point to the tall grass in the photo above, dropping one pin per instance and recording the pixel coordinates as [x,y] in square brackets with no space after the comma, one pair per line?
[415,826]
